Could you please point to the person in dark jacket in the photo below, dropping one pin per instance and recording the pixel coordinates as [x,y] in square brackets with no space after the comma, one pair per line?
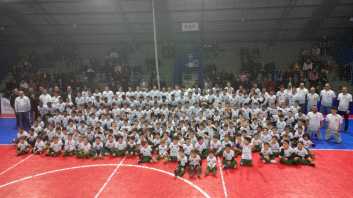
[12,103]
[34,107]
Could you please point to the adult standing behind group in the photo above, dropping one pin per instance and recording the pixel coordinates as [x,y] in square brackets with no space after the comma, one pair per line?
[344,104]
[45,97]
[327,98]
[22,108]
[70,94]
[313,99]
[302,93]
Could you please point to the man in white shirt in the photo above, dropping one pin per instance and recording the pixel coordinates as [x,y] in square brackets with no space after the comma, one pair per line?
[327,98]
[302,92]
[314,122]
[22,108]
[45,97]
[333,126]
[107,93]
[344,104]
[313,99]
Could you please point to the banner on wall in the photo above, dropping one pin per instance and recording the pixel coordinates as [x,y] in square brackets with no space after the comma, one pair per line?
[6,107]
[189,27]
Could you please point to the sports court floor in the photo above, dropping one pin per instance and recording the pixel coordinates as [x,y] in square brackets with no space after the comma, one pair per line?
[40,176]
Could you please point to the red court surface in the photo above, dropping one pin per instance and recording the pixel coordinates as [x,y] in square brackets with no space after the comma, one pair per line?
[40,176]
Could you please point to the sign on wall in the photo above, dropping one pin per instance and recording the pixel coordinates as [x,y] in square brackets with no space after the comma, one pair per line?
[190,27]
[6,107]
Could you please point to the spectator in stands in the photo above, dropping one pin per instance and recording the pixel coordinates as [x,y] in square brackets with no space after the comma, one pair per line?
[86,61]
[243,76]
[78,85]
[209,82]
[60,75]
[23,85]
[254,70]
[137,71]
[247,84]
[313,78]
[31,91]
[135,84]
[325,45]
[323,77]
[316,50]
[314,58]
[346,72]
[143,84]
[307,66]
[39,77]
[212,66]
[324,58]
[89,73]
[237,83]
[32,84]
[259,84]
[16,84]
[153,83]
[61,85]
[224,76]
[101,73]
[262,70]
[304,52]
[9,87]
[279,83]
[246,66]
[288,74]
[328,66]
[219,82]
[270,67]
[256,52]
[277,75]
[230,76]
[244,53]
[114,56]
[270,85]
[93,61]
[213,75]
[162,83]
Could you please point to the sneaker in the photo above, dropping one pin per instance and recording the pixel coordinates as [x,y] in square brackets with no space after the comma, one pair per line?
[39,152]
[235,166]
[18,154]
[312,164]
[106,154]
[181,174]
[207,173]
[313,155]
[176,173]
[47,154]
[101,157]
[295,163]
[273,161]
[139,161]
[70,154]
[225,167]
[263,161]
[55,155]
[345,131]
[214,173]
[94,158]
[151,161]
[155,160]
[164,160]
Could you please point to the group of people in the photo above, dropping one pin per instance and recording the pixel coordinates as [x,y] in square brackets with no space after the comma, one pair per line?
[183,125]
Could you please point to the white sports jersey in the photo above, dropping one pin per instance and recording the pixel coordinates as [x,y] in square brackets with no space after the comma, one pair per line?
[200,147]
[146,151]
[301,152]
[183,160]
[70,145]
[195,160]
[216,145]
[246,152]
[224,143]
[174,149]
[22,146]
[266,153]
[265,138]
[211,162]
[228,156]
[334,121]
[56,146]
[314,120]
[163,149]
[110,145]
[187,149]
[97,146]
[120,146]
[302,94]
[344,101]
[39,145]
[287,152]
[327,97]
[306,143]
[84,147]
[274,147]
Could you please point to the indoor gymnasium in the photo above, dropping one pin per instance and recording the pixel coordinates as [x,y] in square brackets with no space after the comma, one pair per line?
[176,98]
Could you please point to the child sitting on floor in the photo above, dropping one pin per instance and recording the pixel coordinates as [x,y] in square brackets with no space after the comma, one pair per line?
[22,146]
[211,163]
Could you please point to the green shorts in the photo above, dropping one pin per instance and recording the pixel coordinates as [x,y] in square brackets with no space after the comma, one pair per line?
[245,161]
[194,165]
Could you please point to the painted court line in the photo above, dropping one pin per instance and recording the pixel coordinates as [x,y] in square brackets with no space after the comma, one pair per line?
[223,183]
[127,165]
[110,178]
[16,164]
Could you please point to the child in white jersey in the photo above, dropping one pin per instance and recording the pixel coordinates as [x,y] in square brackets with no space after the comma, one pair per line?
[246,152]
[162,151]
[266,154]
[120,147]
[22,146]
[211,163]
[228,158]
[182,162]
[39,146]
[301,155]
